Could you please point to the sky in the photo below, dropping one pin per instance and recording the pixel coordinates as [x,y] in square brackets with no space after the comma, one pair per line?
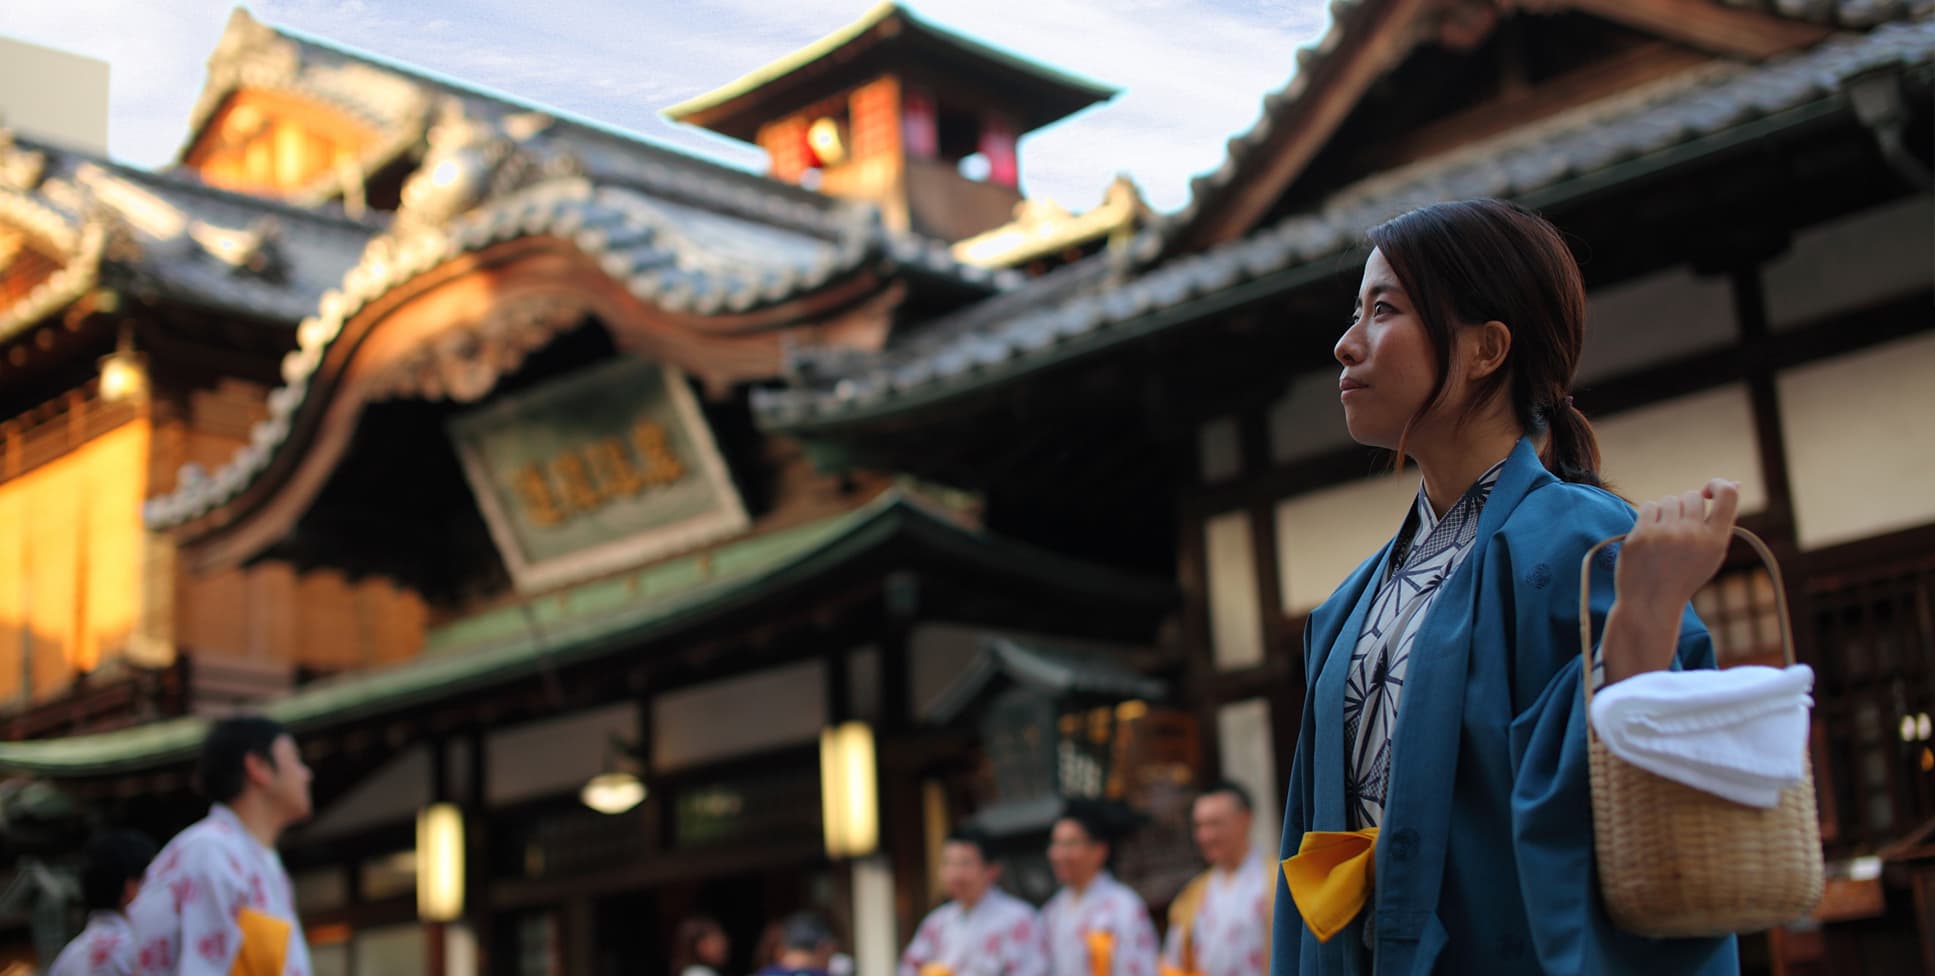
[1193,72]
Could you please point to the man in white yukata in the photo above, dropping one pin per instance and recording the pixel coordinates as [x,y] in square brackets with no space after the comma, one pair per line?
[217,900]
[110,878]
[1096,925]
[1220,924]
[982,931]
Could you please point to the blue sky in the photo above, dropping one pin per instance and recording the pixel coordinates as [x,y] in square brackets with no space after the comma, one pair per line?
[1193,72]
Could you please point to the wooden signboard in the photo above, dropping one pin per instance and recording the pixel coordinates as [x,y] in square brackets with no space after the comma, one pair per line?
[595,472]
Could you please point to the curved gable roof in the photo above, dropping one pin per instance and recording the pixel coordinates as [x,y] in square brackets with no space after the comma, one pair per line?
[1366,38]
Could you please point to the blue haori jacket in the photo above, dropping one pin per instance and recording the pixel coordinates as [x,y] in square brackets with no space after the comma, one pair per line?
[1485,857]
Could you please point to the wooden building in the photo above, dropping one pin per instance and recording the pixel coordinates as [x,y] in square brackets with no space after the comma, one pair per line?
[1748,188]
[617,461]
[472,493]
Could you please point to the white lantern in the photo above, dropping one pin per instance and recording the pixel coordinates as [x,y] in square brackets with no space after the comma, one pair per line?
[848,803]
[440,863]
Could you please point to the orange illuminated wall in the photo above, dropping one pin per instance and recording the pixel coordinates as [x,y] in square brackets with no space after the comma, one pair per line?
[273,143]
[71,551]
[266,612]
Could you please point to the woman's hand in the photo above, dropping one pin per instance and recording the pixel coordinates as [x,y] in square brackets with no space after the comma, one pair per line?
[1672,551]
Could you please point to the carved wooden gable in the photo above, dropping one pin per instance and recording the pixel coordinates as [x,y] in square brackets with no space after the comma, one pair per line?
[1396,81]
[279,144]
[24,265]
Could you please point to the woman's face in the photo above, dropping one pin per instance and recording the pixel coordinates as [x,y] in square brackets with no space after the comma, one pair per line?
[1389,366]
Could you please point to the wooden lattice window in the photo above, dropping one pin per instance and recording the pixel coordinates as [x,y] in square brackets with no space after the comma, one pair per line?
[1739,610]
[1873,650]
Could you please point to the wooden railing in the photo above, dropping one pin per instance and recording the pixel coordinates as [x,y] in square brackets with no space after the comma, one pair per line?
[45,433]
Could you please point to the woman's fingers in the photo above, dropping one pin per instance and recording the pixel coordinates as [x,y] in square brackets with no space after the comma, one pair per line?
[1693,507]
[1726,504]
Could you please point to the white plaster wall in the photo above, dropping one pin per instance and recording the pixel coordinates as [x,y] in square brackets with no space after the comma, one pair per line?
[393,793]
[765,710]
[553,756]
[1235,614]
[1860,437]
[1677,445]
[1654,319]
[396,950]
[1248,749]
[1219,448]
[1308,420]
[1322,536]
[1856,261]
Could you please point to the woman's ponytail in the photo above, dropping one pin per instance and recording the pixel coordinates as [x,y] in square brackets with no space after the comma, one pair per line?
[1571,448]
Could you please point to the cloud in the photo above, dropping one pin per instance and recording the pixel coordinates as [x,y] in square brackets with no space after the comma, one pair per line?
[1193,72]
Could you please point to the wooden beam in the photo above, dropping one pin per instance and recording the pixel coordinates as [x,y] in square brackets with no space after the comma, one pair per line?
[1381,36]
[1708,26]
[1649,62]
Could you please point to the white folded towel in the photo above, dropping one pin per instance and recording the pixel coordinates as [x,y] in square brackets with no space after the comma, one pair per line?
[1740,733]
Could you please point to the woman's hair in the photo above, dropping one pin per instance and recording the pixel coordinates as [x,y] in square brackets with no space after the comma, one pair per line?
[685,944]
[1477,261]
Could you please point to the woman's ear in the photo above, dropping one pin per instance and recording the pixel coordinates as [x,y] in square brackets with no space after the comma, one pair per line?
[1491,343]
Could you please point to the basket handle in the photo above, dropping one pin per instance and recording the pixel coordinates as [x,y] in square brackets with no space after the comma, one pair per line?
[1585,603]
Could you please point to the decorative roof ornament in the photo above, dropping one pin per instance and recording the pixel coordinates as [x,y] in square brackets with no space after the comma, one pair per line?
[471,160]
[250,249]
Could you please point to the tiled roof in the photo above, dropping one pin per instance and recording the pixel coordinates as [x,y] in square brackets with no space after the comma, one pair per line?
[1052,672]
[163,237]
[1052,93]
[598,619]
[484,183]
[407,103]
[975,348]
[1848,14]
[684,234]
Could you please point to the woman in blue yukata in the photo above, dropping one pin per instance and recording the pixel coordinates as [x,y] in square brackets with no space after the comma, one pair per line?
[1439,792]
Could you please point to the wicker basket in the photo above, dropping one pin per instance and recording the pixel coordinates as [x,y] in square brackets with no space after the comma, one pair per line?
[1676,861]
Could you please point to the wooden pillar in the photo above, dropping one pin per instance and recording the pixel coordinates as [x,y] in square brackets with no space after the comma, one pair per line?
[477,852]
[902,823]
[1750,305]
[579,923]
[435,955]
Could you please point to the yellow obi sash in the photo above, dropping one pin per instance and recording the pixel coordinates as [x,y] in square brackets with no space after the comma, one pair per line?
[1330,878]
[1182,919]
[1101,952]
[935,969]
[265,944]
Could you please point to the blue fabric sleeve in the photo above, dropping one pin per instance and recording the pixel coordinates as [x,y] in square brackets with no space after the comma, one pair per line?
[1551,794]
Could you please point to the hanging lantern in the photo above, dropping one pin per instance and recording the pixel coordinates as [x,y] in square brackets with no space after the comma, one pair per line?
[124,372]
[615,789]
[440,863]
[613,793]
[849,805]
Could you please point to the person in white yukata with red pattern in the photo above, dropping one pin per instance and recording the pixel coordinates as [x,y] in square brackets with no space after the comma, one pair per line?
[1096,925]
[1220,924]
[110,878]
[982,930]
[217,900]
